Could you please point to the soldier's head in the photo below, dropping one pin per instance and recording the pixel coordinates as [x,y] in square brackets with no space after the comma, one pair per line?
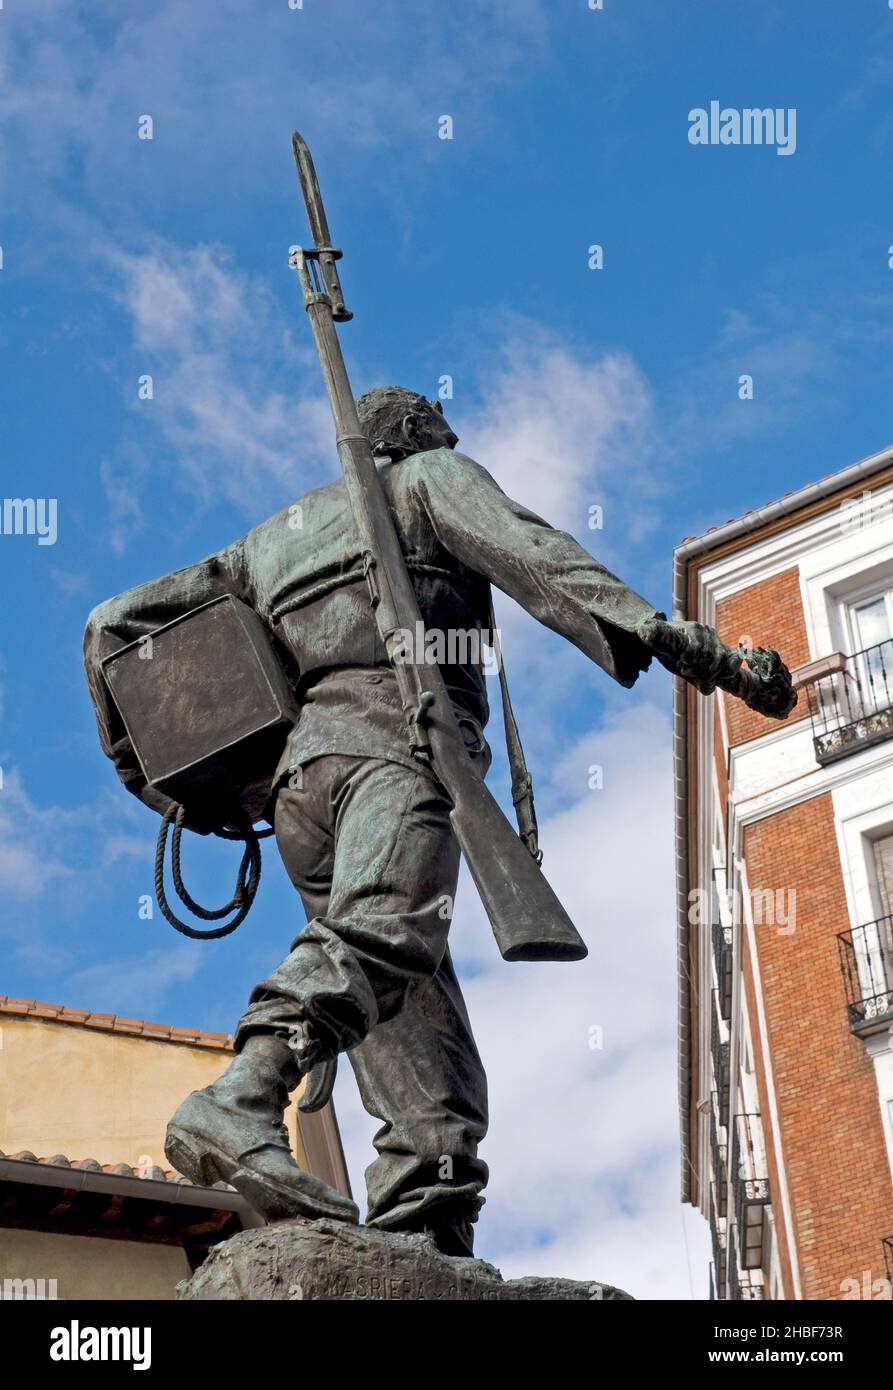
[398,422]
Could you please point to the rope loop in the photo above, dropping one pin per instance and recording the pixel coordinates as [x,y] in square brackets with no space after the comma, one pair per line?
[247,878]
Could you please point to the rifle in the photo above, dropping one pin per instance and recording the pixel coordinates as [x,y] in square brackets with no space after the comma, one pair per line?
[528,921]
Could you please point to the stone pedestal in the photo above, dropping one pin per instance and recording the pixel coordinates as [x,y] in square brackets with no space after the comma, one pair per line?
[296,1260]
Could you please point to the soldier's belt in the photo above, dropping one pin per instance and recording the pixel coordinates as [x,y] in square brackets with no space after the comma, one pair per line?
[299,598]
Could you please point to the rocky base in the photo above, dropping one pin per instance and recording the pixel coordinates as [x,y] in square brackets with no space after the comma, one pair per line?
[295,1260]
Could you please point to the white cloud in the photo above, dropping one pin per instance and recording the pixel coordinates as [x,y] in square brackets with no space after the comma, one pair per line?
[560,430]
[211,340]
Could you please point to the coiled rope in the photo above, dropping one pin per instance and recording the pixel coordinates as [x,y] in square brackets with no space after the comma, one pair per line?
[247,879]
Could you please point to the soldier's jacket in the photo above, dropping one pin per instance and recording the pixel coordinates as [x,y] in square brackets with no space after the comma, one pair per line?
[301,570]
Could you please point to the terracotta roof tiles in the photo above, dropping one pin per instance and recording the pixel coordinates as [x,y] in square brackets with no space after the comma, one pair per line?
[91,1165]
[112,1023]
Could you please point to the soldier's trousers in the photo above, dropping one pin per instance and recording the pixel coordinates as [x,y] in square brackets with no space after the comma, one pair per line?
[369,847]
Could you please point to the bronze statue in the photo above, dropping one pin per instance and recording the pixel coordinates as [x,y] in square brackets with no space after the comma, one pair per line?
[380,783]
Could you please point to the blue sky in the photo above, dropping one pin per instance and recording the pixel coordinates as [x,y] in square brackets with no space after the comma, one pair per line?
[576,387]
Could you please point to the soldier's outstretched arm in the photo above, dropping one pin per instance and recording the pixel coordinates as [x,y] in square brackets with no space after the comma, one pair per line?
[564,587]
[134,614]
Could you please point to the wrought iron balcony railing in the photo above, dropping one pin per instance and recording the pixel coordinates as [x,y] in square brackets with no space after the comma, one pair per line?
[743,1286]
[719,1051]
[722,959]
[887,1244]
[750,1181]
[719,1258]
[866,964]
[718,1152]
[853,707]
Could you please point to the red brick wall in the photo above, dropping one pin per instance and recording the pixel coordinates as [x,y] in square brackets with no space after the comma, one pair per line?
[831,1131]
[771,615]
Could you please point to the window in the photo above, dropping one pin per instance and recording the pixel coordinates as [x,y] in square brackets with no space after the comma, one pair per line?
[871,628]
[872,621]
[867,950]
[852,706]
[883,867]
[868,679]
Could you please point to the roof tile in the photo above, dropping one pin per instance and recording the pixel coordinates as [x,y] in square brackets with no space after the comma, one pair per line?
[91,1165]
[111,1023]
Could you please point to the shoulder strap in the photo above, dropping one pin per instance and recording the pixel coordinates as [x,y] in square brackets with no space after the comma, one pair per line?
[522,782]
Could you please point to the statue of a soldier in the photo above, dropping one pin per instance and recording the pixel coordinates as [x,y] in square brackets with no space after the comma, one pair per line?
[364,830]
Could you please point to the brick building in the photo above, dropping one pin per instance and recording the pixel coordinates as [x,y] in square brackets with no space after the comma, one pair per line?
[784,838]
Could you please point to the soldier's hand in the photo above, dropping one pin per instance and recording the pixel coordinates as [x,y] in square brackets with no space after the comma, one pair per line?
[769,689]
[695,652]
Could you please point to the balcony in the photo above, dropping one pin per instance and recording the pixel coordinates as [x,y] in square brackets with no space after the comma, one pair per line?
[866,964]
[718,1152]
[719,1051]
[750,1180]
[718,1269]
[722,960]
[743,1287]
[852,708]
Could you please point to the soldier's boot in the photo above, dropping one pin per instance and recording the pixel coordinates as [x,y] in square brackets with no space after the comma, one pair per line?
[232,1132]
[695,652]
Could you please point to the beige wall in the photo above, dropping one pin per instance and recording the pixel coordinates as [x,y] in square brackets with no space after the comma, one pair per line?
[88,1093]
[92,1267]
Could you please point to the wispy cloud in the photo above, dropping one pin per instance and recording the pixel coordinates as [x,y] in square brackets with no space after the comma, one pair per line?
[790,356]
[121,478]
[561,428]
[74,80]
[57,858]
[138,985]
[32,842]
[208,336]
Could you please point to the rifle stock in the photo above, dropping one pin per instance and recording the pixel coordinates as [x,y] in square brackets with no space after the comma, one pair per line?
[527,918]
[528,921]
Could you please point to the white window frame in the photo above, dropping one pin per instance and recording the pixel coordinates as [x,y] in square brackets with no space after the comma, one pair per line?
[855,600]
[834,577]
